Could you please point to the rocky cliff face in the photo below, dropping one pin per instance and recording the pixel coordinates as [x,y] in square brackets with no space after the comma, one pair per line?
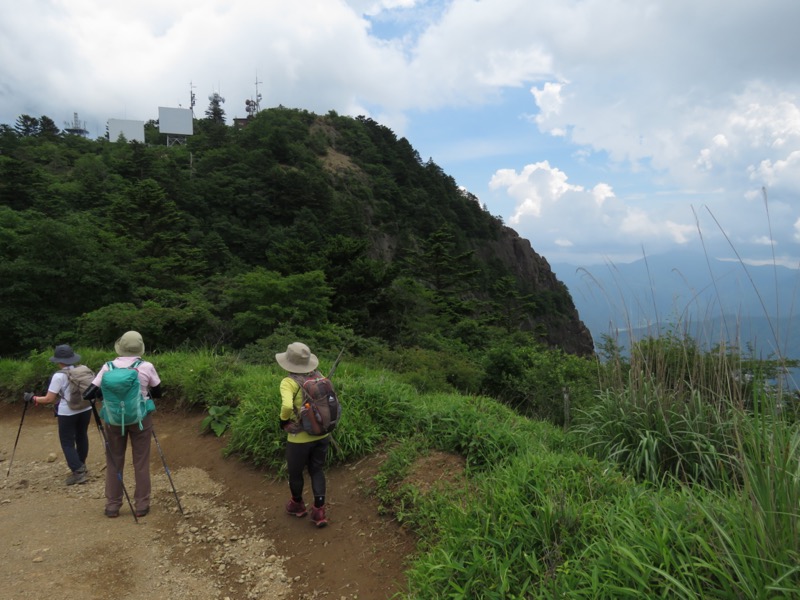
[558,322]
[564,328]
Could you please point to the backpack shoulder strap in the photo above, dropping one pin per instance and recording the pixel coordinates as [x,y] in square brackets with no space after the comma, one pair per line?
[299,380]
[110,365]
[65,371]
[302,380]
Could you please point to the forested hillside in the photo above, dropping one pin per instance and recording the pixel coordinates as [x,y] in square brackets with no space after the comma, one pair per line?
[317,225]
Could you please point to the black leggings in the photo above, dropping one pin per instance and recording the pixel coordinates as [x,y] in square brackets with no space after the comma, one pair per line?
[74,437]
[311,455]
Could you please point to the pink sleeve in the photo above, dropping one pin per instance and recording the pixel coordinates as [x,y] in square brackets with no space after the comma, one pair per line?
[148,375]
[99,377]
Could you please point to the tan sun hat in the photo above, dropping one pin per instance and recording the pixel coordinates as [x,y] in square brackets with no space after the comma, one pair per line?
[297,358]
[130,344]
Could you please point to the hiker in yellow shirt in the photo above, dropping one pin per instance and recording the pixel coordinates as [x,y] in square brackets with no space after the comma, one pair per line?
[303,450]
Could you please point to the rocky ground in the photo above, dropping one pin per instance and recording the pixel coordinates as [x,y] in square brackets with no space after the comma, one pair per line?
[233,540]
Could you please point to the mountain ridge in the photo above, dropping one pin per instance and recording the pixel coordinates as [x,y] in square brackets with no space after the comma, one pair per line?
[709,298]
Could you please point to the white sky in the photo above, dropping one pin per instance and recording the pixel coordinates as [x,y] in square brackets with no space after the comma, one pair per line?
[598,129]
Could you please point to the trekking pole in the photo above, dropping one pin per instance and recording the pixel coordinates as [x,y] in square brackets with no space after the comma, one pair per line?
[24,410]
[336,363]
[330,376]
[166,468]
[111,458]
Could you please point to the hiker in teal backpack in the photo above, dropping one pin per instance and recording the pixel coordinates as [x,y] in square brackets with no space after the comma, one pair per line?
[303,450]
[73,423]
[122,425]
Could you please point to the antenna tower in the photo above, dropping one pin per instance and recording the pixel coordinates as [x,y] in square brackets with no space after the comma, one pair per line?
[76,127]
[191,97]
[253,106]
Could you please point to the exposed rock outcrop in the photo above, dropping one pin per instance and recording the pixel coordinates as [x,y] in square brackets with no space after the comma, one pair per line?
[561,328]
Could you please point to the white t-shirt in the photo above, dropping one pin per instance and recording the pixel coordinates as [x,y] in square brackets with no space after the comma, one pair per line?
[59,385]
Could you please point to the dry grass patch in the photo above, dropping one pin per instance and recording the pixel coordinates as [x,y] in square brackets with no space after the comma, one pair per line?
[436,471]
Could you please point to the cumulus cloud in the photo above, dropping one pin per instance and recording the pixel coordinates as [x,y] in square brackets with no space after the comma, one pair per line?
[700,128]
[536,186]
[116,58]
[644,226]
[375,7]
[553,211]
[548,100]
[778,173]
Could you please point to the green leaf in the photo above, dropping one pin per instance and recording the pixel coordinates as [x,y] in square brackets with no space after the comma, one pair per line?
[219,427]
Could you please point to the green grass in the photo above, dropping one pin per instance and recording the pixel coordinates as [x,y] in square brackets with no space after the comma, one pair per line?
[33,374]
[656,491]
[652,434]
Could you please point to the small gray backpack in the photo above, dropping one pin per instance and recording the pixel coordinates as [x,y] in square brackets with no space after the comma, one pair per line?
[79,378]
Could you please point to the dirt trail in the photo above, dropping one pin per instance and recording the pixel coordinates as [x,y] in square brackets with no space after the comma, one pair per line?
[234,541]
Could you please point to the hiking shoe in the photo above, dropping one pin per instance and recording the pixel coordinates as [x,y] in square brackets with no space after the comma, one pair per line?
[318,516]
[112,513]
[77,477]
[298,509]
[143,512]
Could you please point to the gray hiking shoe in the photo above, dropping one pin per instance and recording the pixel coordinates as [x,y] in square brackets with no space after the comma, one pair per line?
[79,476]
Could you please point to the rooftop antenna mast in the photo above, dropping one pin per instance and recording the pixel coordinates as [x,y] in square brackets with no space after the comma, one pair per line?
[253,106]
[191,97]
[76,127]
[258,95]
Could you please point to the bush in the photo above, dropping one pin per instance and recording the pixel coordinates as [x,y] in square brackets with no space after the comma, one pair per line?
[533,380]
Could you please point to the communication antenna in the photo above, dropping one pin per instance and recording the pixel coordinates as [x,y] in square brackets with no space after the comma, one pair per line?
[191,97]
[76,127]
[253,106]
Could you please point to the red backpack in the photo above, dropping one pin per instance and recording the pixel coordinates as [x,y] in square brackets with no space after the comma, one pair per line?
[320,409]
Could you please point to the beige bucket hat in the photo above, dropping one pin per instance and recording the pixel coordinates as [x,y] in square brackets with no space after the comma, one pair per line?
[130,344]
[297,358]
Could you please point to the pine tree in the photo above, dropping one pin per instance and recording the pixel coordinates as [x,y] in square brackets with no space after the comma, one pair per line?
[215,112]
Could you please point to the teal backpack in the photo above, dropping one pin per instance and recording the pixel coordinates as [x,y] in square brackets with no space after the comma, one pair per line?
[123,402]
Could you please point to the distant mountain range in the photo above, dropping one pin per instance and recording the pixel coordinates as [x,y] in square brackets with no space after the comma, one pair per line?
[711,300]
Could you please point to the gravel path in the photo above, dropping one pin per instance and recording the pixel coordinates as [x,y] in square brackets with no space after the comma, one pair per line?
[233,540]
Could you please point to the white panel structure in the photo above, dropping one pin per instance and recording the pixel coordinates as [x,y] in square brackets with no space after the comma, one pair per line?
[132,130]
[176,121]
